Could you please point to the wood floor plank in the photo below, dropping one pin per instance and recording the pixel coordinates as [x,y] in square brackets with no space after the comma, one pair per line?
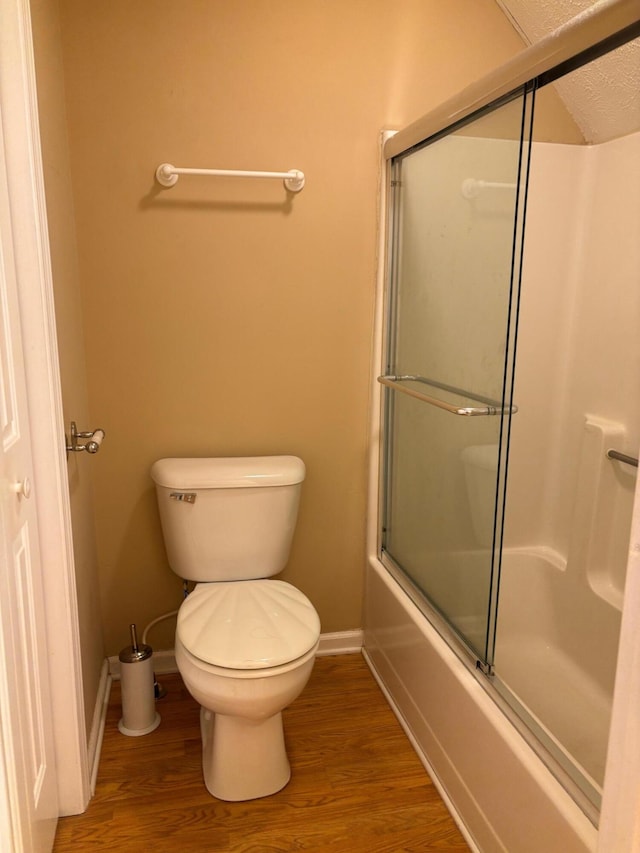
[357,785]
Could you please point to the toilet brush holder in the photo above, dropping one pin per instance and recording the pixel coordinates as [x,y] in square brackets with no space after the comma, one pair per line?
[139,715]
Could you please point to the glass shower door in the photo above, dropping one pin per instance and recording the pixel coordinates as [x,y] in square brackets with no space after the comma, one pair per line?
[455,244]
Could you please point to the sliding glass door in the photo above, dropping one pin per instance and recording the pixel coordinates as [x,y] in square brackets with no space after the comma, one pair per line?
[455,246]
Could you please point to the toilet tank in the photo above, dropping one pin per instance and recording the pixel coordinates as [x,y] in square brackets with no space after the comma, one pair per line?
[228,518]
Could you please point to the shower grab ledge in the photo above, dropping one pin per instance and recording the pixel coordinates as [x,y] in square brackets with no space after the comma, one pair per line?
[491,407]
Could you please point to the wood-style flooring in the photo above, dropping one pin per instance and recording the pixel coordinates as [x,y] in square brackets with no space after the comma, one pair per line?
[357,786]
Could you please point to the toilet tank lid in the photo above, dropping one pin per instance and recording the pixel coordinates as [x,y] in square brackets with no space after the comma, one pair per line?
[228,472]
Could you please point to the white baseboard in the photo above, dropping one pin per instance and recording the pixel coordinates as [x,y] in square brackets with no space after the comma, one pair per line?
[94,745]
[339,643]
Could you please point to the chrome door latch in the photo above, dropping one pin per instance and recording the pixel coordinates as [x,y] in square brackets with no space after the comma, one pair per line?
[186,497]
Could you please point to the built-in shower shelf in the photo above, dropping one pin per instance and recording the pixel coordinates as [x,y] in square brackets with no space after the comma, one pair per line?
[413,385]
[603,508]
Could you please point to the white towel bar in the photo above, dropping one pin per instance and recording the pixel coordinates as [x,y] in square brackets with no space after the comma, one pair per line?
[167,175]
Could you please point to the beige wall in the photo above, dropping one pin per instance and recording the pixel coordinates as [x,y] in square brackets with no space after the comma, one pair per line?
[50,83]
[222,317]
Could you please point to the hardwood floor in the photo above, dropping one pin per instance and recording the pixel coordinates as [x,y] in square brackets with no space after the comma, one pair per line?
[356,787]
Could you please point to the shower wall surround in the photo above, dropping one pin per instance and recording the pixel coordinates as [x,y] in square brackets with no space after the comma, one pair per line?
[569,507]
[577,348]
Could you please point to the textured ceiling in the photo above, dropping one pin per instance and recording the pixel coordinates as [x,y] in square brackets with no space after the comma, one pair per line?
[604,96]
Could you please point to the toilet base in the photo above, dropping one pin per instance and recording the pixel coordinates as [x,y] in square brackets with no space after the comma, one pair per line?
[243,759]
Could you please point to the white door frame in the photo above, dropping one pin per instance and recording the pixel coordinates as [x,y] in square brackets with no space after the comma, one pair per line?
[37,315]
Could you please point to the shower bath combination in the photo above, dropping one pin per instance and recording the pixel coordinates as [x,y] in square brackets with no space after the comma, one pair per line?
[502,485]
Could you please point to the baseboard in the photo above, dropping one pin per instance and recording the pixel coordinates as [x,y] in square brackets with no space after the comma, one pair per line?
[94,745]
[338,643]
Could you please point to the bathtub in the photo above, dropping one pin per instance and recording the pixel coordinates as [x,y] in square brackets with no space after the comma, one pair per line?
[497,787]
[569,649]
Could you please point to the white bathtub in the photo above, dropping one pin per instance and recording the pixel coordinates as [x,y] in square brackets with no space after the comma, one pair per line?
[500,792]
[556,650]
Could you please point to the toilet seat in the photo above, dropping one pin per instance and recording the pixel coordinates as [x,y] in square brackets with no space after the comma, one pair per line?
[237,675]
[247,625]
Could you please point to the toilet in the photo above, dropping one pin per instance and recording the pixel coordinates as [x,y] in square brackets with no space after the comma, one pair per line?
[245,645]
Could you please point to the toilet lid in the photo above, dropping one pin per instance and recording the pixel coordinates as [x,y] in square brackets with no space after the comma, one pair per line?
[247,624]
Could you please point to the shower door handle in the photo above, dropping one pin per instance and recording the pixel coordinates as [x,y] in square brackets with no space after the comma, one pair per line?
[490,407]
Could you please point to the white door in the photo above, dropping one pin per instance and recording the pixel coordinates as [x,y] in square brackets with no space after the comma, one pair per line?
[28,765]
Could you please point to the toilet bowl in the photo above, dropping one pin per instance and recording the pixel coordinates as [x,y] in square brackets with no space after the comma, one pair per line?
[245,644]
[243,749]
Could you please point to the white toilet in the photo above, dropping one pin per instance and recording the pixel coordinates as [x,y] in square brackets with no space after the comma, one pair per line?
[245,646]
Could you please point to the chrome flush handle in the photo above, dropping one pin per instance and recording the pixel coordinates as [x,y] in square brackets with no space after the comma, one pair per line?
[186,497]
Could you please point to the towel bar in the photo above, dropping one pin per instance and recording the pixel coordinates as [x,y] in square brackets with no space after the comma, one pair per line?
[167,175]
[491,407]
[622,457]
